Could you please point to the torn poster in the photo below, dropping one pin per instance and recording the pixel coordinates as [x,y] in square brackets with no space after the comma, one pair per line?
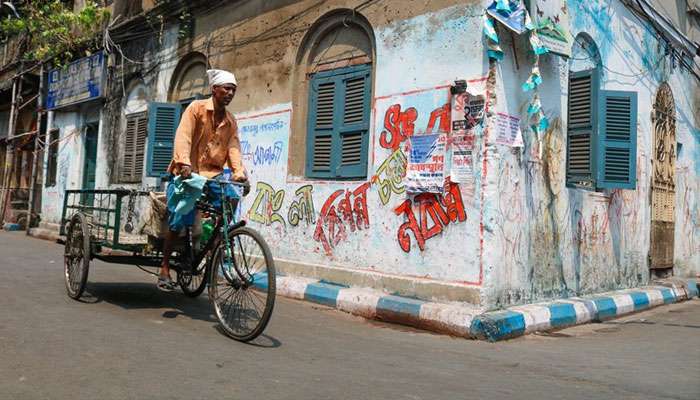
[508,130]
[462,160]
[467,111]
[551,20]
[512,16]
[426,163]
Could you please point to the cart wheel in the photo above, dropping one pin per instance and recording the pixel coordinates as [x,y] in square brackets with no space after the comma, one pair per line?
[193,285]
[242,287]
[76,259]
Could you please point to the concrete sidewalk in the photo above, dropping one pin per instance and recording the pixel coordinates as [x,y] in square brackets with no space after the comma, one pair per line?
[467,320]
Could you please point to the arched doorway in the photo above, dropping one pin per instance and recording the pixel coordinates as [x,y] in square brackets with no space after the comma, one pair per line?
[663,181]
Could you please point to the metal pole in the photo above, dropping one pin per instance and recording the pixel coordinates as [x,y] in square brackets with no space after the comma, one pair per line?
[37,146]
[8,154]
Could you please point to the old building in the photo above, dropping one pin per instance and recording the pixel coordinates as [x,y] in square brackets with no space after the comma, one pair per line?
[574,172]
[20,128]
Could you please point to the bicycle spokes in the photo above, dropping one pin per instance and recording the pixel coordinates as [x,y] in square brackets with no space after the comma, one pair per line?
[243,289]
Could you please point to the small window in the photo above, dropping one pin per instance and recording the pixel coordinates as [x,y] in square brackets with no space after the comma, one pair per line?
[52,159]
[601,148]
[338,123]
[131,168]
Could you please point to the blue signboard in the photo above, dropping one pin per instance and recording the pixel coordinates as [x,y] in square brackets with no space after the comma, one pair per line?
[79,81]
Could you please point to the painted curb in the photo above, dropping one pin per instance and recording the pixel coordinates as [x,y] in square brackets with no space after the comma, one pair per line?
[464,320]
[450,318]
[521,320]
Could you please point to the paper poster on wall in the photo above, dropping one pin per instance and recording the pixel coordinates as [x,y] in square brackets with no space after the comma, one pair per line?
[426,163]
[462,159]
[264,143]
[467,111]
[551,20]
[508,130]
[513,18]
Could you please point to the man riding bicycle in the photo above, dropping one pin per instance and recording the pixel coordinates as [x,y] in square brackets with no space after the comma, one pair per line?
[205,142]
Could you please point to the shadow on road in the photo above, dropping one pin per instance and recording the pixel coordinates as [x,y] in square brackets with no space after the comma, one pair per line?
[143,296]
[139,295]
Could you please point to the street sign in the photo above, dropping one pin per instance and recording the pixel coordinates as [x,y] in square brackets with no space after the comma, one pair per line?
[80,81]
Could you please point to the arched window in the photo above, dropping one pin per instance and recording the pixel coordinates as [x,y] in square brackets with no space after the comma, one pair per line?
[584,54]
[334,65]
[190,79]
[601,125]
[133,147]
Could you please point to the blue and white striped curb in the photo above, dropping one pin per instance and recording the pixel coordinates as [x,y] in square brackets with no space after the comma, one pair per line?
[461,319]
[454,319]
[521,320]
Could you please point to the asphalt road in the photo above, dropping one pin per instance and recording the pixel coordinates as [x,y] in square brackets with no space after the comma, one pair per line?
[129,341]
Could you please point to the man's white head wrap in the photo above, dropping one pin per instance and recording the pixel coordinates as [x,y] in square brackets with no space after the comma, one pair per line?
[220,77]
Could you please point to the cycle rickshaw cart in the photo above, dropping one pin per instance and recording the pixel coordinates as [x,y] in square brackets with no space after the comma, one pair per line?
[234,261]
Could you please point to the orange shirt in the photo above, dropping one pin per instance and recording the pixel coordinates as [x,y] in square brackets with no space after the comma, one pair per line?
[205,147]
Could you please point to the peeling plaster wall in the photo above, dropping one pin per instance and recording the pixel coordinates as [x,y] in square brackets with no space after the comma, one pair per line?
[550,241]
[294,213]
[70,157]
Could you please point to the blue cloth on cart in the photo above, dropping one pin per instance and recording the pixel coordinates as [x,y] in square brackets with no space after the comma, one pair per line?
[182,195]
[186,192]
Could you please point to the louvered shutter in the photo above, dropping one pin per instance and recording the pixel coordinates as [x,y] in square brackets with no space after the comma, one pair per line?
[339,123]
[163,119]
[140,144]
[128,155]
[355,124]
[322,107]
[134,147]
[617,141]
[582,128]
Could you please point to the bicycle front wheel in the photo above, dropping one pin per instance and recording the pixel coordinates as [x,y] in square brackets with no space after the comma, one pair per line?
[242,284]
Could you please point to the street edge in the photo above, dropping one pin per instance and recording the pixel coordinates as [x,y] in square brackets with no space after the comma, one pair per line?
[469,321]
[557,314]
[450,318]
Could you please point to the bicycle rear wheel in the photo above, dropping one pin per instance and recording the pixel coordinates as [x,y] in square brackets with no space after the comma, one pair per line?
[76,258]
[242,286]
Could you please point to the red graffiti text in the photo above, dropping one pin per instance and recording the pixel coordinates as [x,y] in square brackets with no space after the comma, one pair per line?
[441,209]
[399,125]
[335,218]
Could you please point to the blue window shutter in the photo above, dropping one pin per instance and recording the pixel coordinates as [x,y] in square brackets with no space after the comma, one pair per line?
[163,119]
[582,128]
[617,141]
[338,123]
[321,123]
[353,127]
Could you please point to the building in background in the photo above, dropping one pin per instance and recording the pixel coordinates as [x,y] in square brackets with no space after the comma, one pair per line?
[19,130]
[573,171]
